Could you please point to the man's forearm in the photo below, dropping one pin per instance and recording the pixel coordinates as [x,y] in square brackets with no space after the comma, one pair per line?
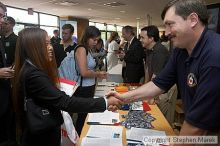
[190,130]
[146,91]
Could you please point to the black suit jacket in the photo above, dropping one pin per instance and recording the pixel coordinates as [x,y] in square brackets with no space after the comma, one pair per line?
[133,58]
[42,91]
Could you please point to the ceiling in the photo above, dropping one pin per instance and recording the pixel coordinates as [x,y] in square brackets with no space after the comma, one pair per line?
[120,12]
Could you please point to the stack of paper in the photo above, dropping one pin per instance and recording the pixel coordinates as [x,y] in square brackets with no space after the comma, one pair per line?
[139,134]
[102,131]
[101,142]
[106,117]
[99,135]
[137,105]
[102,90]
[68,86]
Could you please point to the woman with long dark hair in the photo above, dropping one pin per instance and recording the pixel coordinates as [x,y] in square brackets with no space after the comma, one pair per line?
[86,65]
[36,77]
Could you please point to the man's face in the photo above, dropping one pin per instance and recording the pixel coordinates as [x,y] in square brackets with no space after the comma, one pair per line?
[2,21]
[177,29]
[7,26]
[56,34]
[2,16]
[67,35]
[125,35]
[145,40]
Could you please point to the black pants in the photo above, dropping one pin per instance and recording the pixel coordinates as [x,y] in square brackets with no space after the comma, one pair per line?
[84,92]
[49,138]
[7,116]
[7,130]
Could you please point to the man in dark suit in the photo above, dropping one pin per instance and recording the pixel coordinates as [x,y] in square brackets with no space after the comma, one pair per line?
[133,68]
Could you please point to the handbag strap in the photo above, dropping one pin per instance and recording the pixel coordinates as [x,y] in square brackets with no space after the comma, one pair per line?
[24,85]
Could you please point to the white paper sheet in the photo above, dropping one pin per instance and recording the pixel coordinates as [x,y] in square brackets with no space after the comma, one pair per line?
[107,117]
[137,134]
[101,142]
[101,131]
[68,86]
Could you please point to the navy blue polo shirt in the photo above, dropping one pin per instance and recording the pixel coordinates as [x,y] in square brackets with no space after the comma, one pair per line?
[198,79]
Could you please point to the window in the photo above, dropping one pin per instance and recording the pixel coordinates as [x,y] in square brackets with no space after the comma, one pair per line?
[22,15]
[103,35]
[49,30]
[100,26]
[17,28]
[119,28]
[111,28]
[53,20]
[91,23]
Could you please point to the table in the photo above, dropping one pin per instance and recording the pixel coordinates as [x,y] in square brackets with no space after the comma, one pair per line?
[160,124]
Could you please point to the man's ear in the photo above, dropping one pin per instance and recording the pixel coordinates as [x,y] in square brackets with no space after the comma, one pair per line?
[194,19]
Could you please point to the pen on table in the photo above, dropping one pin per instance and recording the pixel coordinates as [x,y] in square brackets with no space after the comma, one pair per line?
[98,123]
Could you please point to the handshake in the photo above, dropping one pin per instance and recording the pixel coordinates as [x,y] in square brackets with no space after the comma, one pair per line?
[115,100]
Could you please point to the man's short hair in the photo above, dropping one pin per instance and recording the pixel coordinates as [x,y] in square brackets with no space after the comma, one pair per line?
[152,31]
[3,6]
[184,8]
[11,20]
[129,29]
[56,31]
[68,26]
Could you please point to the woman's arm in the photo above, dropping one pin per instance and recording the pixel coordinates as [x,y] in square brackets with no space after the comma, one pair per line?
[81,58]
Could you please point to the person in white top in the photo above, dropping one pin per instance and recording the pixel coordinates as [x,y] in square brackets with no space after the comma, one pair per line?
[113,47]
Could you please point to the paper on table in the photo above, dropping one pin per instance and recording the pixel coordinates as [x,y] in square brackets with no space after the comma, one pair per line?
[102,90]
[109,84]
[137,105]
[107,117]
[101,142]
[101,131]
[137,134]
[68,86]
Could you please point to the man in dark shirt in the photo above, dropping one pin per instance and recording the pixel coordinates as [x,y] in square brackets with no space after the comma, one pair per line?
[194,66]
[156,53]
[7,128]
[55,39]
[66,45]
[9,40]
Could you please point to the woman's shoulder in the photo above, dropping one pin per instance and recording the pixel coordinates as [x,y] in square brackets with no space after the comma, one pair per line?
[31,70]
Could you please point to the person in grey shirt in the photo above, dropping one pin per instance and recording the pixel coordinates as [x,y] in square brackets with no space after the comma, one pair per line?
[156,54]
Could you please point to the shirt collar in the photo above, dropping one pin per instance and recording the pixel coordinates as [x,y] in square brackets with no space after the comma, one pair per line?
[131,40]
[199,45]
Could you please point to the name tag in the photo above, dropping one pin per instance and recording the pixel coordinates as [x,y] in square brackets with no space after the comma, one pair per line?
[7,44]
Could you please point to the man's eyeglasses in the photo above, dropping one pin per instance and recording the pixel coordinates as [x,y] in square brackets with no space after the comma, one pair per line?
[4,17]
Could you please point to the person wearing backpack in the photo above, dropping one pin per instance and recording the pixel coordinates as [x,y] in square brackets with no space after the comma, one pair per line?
[86,65]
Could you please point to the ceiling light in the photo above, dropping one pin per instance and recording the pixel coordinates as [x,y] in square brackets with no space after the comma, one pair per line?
[114,4]
[122,11]
[66,3]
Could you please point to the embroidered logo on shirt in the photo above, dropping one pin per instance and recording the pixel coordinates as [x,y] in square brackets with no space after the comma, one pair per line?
[191,80]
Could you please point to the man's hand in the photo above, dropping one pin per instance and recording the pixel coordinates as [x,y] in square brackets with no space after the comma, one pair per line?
[121,54]
[102,75]
[6,72]
[113,103]
[119,96]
